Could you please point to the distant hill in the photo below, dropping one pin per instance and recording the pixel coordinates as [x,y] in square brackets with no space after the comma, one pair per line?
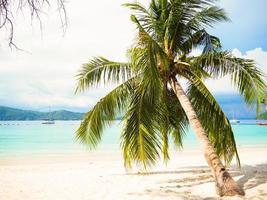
[7,113]
[263,115]
[232,104]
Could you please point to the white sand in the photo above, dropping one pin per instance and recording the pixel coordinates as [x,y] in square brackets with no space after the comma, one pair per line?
[101,175]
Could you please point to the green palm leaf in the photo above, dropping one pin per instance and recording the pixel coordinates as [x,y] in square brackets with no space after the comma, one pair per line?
[243,73]
[213,119]
[103,114]
[201,39]
[102,70]
[140,138]
[207,17]
[177,119]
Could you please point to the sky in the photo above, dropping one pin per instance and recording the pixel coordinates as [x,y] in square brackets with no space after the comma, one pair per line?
[43,74]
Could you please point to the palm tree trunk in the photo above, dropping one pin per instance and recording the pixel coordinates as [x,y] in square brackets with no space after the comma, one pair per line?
[224,183]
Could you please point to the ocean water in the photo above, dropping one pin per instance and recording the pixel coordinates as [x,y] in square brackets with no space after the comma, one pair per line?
[33,137]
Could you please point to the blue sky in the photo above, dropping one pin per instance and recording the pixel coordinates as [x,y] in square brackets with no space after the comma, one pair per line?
[44,74]
[248,27]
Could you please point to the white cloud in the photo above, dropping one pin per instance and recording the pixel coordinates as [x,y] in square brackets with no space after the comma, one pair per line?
[258,55]
[224,85]
[44,74]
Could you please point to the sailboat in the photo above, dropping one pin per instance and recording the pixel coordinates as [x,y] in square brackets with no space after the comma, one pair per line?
[50,119]
[234,121]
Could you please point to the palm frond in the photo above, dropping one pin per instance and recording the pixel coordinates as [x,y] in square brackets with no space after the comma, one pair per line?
[102,70]
[102,114]
[213,119]
[177,119]
[146,42]
[244,74]
[187,17]
[142,135]
[144,16]
[151,18]
[163,121]
[171,121]
[207,17]
[140,138]
[137,7]
[203,39]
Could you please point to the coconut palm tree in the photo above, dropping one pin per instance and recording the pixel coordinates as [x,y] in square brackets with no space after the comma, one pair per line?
[155,106]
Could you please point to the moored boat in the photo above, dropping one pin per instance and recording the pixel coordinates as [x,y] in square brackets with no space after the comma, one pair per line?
[50,120]
[262,124]
[234,121]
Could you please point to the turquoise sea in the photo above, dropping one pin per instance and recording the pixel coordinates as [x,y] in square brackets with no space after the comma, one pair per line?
[33,137]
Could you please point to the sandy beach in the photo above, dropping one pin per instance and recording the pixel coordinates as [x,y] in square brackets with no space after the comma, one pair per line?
[101,175]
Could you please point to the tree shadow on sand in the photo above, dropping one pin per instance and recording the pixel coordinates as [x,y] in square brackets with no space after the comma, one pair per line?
[180,188]
[253,176]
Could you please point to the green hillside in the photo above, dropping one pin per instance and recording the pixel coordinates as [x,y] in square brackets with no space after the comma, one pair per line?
[7,113]
[263,116]
[66,115]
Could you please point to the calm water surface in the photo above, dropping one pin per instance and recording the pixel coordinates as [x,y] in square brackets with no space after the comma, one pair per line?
[33,137]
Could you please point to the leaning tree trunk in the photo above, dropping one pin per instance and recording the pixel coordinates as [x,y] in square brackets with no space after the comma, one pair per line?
[224,183]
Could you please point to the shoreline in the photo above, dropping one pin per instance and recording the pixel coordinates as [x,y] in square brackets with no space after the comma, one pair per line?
[87,155]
